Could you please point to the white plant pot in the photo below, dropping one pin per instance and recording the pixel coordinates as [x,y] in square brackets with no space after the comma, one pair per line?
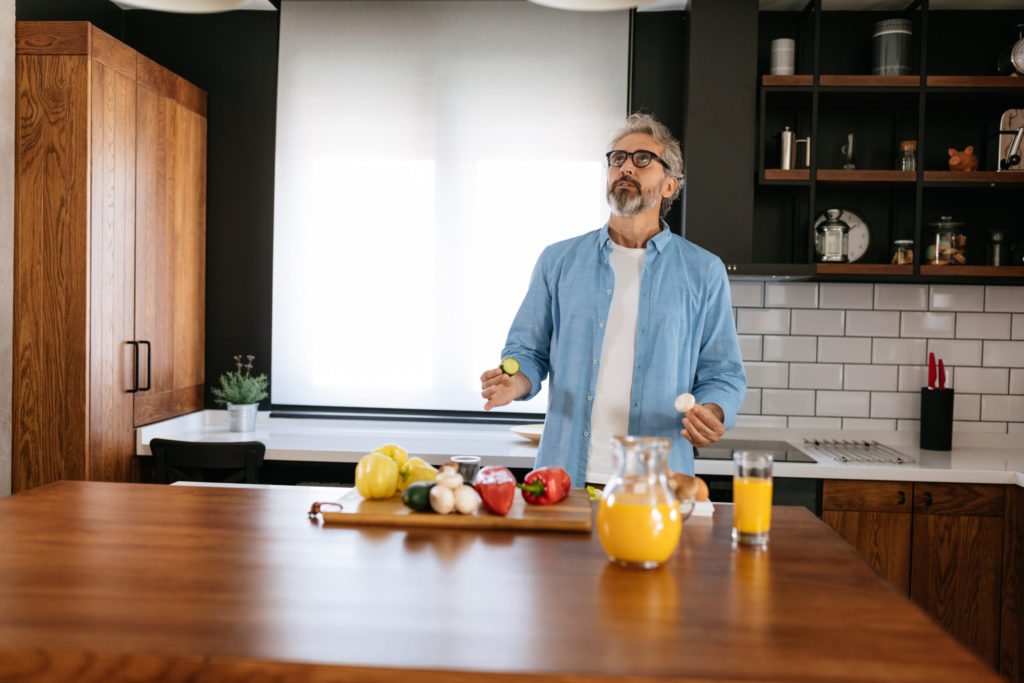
[242,418]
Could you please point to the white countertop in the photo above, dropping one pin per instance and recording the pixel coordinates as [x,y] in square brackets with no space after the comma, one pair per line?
[975,458]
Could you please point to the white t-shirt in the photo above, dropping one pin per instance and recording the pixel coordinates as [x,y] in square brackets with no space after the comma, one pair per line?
[610,414]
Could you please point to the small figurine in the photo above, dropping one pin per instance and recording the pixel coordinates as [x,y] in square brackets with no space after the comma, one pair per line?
[963,161]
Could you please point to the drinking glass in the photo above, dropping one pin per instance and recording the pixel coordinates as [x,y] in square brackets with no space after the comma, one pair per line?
[752,497]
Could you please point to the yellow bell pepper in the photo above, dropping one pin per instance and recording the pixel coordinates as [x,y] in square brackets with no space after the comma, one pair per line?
[396,453]
[416,469]
[376,476]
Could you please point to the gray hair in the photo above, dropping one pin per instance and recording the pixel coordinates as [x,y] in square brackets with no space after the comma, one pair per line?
[672,153]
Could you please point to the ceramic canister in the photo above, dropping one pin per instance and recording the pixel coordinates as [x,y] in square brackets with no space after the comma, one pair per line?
[891,48]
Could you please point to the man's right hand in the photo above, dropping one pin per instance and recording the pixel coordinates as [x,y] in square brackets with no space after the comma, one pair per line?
[500,389]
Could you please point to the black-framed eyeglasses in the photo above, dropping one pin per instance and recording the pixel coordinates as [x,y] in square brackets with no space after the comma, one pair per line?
[642,158]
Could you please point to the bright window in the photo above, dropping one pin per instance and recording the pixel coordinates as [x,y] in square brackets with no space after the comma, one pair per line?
[426,154]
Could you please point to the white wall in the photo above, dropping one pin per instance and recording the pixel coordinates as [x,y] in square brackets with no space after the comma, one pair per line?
[6,234]
[853,356]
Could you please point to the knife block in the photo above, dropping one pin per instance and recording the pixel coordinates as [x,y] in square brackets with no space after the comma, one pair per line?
[936,419]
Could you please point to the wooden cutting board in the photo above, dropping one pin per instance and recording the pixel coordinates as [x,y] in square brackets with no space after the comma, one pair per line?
[572,514]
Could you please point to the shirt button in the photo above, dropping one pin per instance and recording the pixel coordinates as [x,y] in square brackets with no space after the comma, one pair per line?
[609,291]
[595,363]
[601,325]
[586,433]
[590,398]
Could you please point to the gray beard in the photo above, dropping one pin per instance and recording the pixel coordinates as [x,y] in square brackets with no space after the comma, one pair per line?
[626,204]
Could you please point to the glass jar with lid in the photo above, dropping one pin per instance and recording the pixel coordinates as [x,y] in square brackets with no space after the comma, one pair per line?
[903,252]
[832,239]
[907,159]
[948,243]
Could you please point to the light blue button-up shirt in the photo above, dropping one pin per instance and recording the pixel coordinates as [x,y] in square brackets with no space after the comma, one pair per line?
[685,342]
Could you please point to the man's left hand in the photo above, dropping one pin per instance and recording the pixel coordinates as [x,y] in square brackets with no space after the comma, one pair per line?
[702,425]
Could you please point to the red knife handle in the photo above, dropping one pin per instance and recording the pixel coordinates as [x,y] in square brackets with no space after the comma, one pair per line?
[931,370]
[942,375]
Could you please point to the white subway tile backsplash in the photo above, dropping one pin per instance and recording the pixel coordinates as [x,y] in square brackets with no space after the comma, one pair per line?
[866,424]
[750,346]
[928,324]
[791,348]
[908,425]
[762,321]
[823,322]
[989,427]
[854,355]
[1002,408]
[815,423]
[787,402]
[767,374]
[842,295]
[914,377]
[870,377]
[966,407]
[844,350]
[752,403]
[843,403]
[1004,354]
[815,376]
[1006,299]
[982,380]
[958,352]
[762,421]
[884,404]
[982,325]
[791,294]
[872,324]
[746,294]
[899,351]
[957,298]
[901,297]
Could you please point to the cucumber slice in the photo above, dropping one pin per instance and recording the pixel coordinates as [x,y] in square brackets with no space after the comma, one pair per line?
[510,366]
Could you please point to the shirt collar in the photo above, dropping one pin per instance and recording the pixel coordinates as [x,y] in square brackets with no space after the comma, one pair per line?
[659,241]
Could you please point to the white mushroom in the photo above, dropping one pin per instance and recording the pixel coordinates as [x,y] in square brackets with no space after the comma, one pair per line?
[442,500]
[466,500]
[685,402]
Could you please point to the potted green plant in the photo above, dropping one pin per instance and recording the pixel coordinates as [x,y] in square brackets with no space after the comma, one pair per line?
[241,392]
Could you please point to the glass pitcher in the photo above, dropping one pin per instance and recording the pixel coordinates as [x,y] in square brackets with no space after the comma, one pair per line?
[638,518]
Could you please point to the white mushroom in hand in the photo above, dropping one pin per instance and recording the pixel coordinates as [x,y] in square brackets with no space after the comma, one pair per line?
[685,402]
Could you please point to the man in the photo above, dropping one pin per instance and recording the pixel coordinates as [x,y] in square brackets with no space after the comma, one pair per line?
[623,320]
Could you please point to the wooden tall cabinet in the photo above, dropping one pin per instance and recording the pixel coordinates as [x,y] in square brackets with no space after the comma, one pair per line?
[109,253]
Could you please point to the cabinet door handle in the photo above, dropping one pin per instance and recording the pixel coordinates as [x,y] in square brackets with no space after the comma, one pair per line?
[135,379]
[902,498]
[149,368]
[928,498]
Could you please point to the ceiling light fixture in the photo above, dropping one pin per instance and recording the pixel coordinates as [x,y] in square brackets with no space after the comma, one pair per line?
[594,5]
[195,6]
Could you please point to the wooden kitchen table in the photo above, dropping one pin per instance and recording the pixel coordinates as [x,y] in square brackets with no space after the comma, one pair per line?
[127,581]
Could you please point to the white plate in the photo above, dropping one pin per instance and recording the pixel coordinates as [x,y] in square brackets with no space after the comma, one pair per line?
[860,236]
[531,432]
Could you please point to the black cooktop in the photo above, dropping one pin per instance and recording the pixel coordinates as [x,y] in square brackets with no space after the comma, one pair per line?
[780,450]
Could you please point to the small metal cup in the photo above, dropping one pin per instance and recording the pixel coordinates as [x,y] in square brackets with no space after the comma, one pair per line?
[469,465]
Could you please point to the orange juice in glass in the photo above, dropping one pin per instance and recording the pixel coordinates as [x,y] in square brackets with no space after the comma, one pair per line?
[638,518]
[752,497]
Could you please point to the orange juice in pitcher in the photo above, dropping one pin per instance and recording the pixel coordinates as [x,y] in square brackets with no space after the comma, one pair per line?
[638,518]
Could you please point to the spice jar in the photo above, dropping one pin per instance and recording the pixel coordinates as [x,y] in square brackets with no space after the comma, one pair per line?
[907,160]
[903,252]
[948,244]
[996,248]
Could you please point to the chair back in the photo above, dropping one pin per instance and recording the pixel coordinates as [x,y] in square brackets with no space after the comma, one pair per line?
[239,460]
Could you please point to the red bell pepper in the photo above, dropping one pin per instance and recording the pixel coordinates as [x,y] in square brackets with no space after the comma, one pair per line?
[546,486]
[497,489]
